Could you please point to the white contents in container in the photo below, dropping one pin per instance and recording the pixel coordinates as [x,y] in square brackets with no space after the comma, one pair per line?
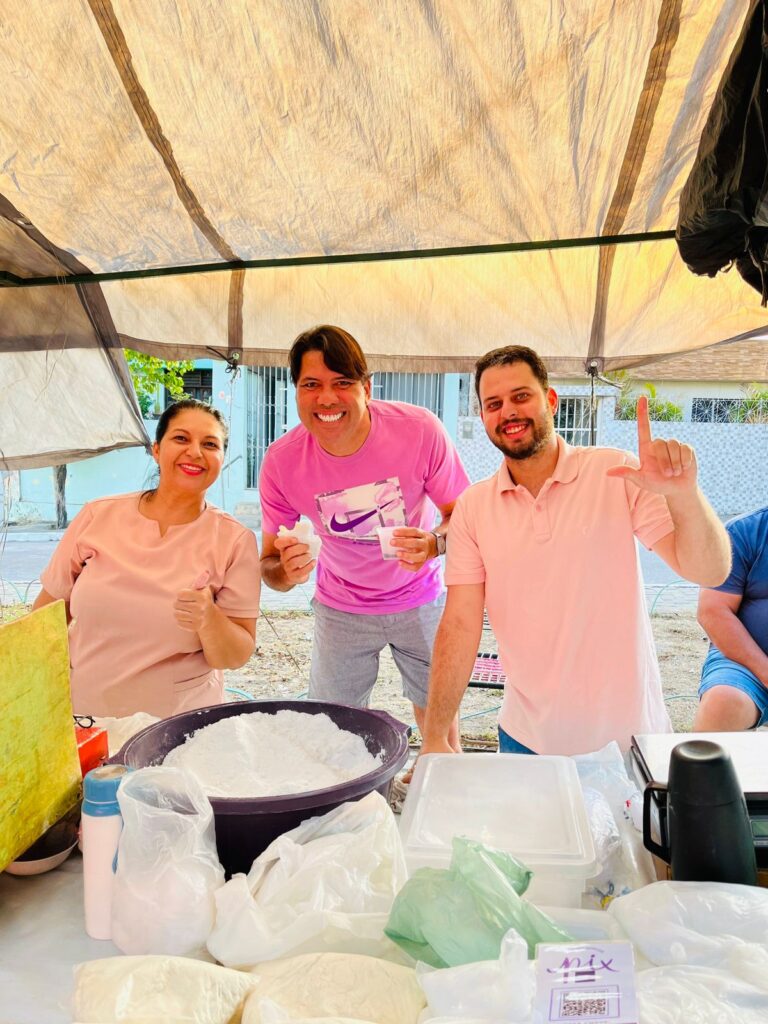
[304,533]
[257,755]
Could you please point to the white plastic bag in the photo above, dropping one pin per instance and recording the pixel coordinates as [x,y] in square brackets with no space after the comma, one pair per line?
[699,923]
[625,864]
[488,990]
[325,886]
[605,834]
[698,995]
[120,730]
[167,866]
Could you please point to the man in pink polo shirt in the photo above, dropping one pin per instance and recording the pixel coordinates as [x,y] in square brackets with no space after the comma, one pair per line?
[547,545]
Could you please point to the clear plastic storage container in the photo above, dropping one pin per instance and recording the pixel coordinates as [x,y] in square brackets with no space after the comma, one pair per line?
[531,806]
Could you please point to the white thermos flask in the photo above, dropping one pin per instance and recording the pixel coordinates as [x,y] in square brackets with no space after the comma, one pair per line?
[101,827]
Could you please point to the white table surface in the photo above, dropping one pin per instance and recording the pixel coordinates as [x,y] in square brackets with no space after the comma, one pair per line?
[42,937]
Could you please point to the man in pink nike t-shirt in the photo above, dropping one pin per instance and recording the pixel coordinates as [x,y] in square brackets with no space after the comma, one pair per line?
[352,465]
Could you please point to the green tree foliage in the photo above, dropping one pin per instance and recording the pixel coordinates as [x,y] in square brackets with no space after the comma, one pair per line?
[149,372]
[658,408]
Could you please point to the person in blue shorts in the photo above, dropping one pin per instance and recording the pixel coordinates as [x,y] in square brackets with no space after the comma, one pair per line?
[733,692]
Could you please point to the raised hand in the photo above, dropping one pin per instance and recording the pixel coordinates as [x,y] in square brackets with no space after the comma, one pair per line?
[193,608]
[666,467]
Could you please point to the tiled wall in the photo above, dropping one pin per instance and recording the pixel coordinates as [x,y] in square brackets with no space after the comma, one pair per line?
[732,458]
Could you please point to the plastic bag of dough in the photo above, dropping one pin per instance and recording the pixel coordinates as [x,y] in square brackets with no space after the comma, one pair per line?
[693,922]
[158,990]
[325,886]
[337,984]
[167,865]
[271,1013]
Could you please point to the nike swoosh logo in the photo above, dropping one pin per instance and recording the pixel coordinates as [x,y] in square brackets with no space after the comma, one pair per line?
[338,527]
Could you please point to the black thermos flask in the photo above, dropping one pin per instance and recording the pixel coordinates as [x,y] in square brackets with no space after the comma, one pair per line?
[709,835]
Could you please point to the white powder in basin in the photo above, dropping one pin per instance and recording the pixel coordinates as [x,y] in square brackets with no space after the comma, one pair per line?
[256,754]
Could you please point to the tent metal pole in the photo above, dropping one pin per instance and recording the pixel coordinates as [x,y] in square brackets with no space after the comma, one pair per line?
[9,280]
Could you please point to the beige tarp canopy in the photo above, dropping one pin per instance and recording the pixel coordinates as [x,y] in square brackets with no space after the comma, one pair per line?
[438,176]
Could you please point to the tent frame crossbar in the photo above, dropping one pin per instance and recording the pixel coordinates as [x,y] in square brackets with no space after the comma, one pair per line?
[11,280]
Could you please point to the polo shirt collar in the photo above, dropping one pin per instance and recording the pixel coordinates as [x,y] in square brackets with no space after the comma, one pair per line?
[566,469]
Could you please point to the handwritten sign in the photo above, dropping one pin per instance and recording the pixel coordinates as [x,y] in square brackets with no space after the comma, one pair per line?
[585,984]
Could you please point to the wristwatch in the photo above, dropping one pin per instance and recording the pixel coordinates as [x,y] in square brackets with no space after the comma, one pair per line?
[440,541]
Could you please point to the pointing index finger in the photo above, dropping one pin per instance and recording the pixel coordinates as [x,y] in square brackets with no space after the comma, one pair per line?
[643,422]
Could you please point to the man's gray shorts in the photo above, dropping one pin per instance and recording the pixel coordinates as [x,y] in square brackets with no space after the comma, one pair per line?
[345,656]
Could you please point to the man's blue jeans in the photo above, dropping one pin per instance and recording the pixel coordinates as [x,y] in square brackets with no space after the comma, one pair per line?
[507,745]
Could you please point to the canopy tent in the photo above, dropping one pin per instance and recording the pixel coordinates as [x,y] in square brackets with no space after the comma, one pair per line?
[438,176]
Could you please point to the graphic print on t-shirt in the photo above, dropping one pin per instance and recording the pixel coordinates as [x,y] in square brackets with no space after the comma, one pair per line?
[354,512]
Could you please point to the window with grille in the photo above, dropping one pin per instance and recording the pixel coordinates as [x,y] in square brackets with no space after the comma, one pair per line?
[729,410]
[266,412]
[572,420]
[197,384]
[425,389]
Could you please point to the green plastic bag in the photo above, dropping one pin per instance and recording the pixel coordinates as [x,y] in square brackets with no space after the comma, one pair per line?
[460,915]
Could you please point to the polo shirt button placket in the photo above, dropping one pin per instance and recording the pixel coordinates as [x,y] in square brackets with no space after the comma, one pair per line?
[541,529]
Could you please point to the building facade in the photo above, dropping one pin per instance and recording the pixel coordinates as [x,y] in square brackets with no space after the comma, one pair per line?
[709,387]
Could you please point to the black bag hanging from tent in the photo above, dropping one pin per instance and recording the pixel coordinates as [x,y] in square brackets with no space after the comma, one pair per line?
[724,203]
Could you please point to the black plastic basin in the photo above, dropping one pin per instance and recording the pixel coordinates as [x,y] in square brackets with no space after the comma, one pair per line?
[246,827]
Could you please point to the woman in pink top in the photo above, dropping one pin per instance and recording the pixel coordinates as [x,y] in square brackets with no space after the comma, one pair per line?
[161,589]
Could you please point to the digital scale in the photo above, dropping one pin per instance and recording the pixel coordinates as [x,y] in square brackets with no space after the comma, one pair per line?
[649,758]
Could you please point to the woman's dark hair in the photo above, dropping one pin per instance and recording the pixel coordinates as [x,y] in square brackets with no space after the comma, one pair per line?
[189,403]
[511,354]
[341,353]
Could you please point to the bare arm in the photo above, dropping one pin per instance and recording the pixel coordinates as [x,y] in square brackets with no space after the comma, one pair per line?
[456,644]
[228,642]
[445,511]
[284,562]
[44,598]
[717,615]
[698,549]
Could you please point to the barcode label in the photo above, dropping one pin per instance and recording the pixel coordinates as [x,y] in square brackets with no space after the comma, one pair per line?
[578,1007]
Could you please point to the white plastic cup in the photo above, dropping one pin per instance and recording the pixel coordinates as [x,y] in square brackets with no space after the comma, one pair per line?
[304,533]
[385,540]
[101,827]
